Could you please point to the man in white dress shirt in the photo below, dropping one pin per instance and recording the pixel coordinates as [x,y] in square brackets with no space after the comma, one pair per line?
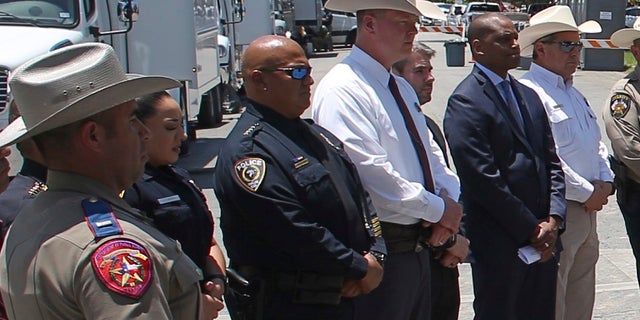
[355,101]
[556,45]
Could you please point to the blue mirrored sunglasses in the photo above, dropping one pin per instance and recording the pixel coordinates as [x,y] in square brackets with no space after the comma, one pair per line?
[297,73]
[568,46]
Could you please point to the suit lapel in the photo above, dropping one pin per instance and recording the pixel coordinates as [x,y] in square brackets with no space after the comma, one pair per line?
[492,92]
[533,138]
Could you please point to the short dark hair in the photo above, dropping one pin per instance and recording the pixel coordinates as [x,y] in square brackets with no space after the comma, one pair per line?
[420,48]
[147,104]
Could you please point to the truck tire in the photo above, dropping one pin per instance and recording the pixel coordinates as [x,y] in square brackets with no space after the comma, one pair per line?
[210,109]
[185,146]
[351,38]
[230,99]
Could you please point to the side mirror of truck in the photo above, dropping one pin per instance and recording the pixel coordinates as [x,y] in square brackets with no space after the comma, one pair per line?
[239,10]
[235,14]
[128,11]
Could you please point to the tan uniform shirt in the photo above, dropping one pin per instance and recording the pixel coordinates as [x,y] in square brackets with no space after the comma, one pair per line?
[622,123]
[47,273]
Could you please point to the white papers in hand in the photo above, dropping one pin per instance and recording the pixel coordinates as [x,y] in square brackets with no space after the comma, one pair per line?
[529,254]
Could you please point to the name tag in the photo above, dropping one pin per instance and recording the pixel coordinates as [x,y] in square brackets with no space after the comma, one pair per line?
[169,199]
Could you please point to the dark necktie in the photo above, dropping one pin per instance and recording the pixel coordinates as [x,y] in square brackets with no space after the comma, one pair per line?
[513,106]
[415,136]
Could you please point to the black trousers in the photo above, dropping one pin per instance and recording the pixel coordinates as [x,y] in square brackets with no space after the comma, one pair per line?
[628,196]
[404,292]
[445,292]
[505,288]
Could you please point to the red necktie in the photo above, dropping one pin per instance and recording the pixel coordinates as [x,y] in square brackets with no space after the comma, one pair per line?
[415,136]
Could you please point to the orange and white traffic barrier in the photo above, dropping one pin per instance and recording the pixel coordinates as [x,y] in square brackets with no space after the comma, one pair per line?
[599,44]
[442,29]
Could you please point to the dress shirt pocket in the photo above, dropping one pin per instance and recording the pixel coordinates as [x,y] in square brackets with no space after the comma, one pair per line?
[561,127]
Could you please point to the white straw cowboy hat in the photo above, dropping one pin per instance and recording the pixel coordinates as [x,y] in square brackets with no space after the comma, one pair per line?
[71,84]
[624,37]
[415,7]
[549,21]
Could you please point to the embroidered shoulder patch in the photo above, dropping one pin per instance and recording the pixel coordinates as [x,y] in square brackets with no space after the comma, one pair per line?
[619,105]
[124,267]
[250,172]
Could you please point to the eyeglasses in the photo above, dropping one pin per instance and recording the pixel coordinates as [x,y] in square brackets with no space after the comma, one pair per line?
[568,46]
[296,73]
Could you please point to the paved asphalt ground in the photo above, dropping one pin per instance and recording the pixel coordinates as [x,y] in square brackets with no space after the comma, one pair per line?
[617,294]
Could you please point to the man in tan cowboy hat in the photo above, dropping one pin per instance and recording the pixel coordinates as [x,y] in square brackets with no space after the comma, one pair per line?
[79,251]
[621,112]
[400,164]
[555,40]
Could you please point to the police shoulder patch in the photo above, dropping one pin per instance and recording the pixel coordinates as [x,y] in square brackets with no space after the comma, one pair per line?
[250,172]
[124,267]
[619,105]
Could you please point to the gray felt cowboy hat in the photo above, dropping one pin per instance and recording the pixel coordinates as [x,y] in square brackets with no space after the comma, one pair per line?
[71,84]
[415,7]
[549,21]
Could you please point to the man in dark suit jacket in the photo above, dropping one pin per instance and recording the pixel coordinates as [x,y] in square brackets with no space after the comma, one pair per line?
[511,178]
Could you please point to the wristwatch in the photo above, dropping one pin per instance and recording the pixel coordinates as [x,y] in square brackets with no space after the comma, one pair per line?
[381,257]
[220,276]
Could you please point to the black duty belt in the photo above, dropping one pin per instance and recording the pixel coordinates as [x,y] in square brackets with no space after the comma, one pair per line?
[622,171]
[404,238]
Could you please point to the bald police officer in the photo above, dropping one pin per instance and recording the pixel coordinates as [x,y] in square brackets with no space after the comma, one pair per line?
[79,251]
[296,220]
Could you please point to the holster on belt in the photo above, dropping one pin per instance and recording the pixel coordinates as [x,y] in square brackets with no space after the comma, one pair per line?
[621,171]
[306,287]
[621,176]
[404,238]
[245,295]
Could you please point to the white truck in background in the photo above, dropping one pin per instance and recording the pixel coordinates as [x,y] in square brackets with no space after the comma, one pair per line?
[180,39]
[198,42]
[475,9]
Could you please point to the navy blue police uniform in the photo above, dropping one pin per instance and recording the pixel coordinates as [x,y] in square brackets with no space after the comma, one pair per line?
[168,195]
[24,187]
[295,217]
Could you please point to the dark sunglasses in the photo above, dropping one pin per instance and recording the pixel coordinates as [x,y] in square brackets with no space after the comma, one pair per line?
[297,73]
[568,46]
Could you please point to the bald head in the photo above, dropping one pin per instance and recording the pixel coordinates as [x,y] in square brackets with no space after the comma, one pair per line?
[486,24]
[268,52]
[271,68]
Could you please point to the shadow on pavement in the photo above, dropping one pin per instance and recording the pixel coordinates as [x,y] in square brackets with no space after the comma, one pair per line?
[201,155]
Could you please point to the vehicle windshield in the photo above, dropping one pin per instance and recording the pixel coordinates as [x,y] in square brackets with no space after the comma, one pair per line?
[485,7]
[42,13]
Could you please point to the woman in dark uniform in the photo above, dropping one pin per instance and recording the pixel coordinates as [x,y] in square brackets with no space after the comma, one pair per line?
[168,195]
